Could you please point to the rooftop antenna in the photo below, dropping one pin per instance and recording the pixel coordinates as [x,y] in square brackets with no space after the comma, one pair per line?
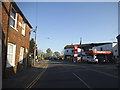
[80,40]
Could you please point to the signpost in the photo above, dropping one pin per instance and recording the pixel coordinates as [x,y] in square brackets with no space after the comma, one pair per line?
[75,52]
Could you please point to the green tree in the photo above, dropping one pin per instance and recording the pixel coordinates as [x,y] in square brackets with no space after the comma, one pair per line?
[32,47]
[48,53]
[32,44]
[57,54]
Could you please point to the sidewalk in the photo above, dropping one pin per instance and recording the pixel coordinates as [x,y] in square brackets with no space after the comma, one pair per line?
[23,78]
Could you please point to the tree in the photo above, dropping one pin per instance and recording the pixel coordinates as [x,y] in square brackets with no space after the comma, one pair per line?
[57,54]
[32,44]
[32,47]
[48,53]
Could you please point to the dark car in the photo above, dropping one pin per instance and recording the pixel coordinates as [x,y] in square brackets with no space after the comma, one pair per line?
[104,61]
[47,58]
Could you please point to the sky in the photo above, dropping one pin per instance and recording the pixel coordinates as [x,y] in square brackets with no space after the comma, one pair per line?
[64,23]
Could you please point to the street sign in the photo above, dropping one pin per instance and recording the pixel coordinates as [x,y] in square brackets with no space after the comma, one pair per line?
[75,47]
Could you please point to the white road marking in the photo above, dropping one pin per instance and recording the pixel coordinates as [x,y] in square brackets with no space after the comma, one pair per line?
[82,80]
[110,75]
[105,73]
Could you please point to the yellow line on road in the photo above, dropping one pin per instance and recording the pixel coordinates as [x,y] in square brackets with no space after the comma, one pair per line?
[37,78]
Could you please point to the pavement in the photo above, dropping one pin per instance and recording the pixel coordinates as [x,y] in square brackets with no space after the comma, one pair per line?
[23,78]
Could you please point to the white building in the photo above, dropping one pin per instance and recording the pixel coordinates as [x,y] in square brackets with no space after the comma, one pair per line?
[113,47]
[68,53]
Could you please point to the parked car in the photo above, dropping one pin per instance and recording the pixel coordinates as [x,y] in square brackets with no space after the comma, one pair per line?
[89,59]
[104,61]
[47,58]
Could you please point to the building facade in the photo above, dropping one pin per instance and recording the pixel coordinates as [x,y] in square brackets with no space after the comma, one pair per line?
[69,49]
[92,49]
[15,38]
[106,52]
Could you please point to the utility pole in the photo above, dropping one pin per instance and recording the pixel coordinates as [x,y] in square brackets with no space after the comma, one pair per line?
[35,46]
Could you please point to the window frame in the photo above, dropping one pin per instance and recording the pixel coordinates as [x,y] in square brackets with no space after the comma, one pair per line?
[23,25]
[21,55]
[13,18]
[11,63]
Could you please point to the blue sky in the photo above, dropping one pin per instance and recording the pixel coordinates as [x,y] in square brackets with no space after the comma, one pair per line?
[62,23]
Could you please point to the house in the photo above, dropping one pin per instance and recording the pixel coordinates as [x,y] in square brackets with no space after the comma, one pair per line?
[82,49]
[15,38]
[105,52]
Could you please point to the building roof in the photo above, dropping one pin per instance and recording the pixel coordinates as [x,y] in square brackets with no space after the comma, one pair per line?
[86,45]
[18,10]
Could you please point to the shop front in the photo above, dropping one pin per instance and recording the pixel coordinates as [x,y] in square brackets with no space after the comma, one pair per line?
[102,56]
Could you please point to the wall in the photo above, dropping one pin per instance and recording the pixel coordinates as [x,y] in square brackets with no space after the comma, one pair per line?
[113,47]
[107,47]
[69,51]
[5,22]
[14,36]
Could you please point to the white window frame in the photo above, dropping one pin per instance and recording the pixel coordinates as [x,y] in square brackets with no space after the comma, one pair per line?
[23,28]
[21,55]
[11,63]
[15,19]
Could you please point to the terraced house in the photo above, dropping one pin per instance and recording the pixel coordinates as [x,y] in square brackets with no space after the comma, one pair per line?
[15,38]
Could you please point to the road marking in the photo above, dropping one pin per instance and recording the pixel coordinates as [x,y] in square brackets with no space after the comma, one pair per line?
[37,78]
[104,73]
[82,81]
[108,74]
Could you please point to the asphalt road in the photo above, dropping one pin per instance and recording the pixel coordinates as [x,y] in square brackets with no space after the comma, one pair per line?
[61,74]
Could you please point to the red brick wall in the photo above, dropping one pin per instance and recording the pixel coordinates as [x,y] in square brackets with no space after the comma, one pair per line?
[14,36]
[4,31]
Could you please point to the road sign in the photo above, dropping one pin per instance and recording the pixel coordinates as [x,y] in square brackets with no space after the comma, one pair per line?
[75,47]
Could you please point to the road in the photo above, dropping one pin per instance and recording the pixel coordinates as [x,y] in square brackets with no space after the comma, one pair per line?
[61,74]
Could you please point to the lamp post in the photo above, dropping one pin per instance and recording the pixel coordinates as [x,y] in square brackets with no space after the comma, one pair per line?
[34,30]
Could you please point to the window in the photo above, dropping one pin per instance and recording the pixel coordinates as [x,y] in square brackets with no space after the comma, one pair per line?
[115,50]
[101,49]
[66,50]
[21,54]
[13,18]
[23,28]
[11,55]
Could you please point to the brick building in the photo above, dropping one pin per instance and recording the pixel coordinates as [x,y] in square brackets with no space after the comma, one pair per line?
[15,38]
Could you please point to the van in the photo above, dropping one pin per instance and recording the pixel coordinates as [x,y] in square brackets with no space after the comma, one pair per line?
[89,59]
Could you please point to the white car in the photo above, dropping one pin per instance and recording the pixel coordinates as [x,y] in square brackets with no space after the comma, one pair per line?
[89,59]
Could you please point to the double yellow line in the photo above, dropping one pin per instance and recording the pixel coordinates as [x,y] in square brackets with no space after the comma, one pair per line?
[37,78]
